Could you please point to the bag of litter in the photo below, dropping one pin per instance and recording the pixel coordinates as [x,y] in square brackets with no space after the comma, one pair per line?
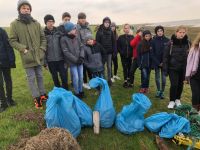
[155,122]
[131,119]
[104,103]
[83,111]
[175,125]
[60,111]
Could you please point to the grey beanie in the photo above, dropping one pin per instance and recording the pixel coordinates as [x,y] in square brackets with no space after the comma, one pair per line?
[22,2]
[88,36]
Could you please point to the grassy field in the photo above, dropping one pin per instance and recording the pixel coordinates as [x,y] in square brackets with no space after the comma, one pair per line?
[13,129]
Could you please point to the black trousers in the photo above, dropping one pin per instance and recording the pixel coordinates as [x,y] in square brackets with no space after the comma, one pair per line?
[134,66]
[5,75]
[86,73]
[195,87]
[56,67]
[176,83]
[115,64]
[126,64]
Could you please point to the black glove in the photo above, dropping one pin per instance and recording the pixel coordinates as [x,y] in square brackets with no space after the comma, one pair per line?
[80,60]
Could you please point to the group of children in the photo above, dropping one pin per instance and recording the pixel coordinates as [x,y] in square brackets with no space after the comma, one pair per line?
[73,46]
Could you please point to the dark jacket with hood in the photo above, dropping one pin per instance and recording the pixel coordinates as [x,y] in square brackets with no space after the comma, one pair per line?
[123,44]
[175,55]
[7,56]
[54,51]
[145,54]
[105,37]
[72,49]
[158,45]
[93,57]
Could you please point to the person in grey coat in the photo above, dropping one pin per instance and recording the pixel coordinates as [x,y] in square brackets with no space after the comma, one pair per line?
[54,55]
[82,30]
[73,51]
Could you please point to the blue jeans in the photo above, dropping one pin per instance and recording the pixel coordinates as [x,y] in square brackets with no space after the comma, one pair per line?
[77,78]
[145,75]
[158,72]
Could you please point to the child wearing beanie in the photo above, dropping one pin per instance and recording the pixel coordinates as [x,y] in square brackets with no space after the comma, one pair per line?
[73,51]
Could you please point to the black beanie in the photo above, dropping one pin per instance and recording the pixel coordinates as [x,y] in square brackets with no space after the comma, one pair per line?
[81,15]
[159,27]
[47,18]
[145,33]
[106,18]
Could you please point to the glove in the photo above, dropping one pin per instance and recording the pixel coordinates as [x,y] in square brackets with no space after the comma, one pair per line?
[80,60]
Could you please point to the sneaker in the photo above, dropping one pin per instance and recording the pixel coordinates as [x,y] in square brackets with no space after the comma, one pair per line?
[130,85]
[109,83]
[177,102]
[38,103]
[11,102]
[117,77]
[158,94]
[86,86]
[142,90]
[125,84]
[171,105]
[43,98]
[162,96]
[81,95]
[113,80]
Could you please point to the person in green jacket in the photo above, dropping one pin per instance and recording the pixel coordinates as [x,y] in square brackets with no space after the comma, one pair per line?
[27,36]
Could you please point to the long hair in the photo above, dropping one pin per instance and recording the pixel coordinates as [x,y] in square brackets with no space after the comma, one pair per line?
[145,46]
[196,42]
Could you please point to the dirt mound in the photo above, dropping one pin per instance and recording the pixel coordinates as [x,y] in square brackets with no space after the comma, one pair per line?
[32,116]
[49,139]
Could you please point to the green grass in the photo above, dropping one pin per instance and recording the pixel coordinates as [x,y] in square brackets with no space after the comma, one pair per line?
[108,139]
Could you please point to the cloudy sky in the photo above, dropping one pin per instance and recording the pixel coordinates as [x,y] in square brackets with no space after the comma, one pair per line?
[120,11]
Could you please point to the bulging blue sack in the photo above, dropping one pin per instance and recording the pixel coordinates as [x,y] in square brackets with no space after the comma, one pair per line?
[155,122]
[60,111]
[131,119]
[175,125]
[104,103]
[83,111]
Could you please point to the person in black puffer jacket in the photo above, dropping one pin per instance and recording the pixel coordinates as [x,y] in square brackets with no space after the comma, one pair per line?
[105,37]
[174,64]
[158,44]
[125,50]
[54,55]
[7,61]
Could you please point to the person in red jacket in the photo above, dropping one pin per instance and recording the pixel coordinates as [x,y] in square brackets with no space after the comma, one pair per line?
[134,44]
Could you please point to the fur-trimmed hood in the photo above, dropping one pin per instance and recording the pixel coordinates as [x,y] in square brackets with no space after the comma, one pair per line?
[179,42]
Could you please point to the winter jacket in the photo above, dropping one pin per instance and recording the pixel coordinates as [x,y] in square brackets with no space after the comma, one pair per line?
[123,44]
[197,74]
[93,57]
[54,51]
[175,55]
[72,49]
[134,44]
[106,38]
[31,37]
[144,59]
[83,31]
[158,45]
[7,56]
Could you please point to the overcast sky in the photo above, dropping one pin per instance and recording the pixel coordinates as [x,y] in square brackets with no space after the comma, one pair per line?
[120,11]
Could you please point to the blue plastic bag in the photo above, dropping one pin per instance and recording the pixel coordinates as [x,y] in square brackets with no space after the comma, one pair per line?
[104,103]
[155,122]
[175,125]
[83,111]
[131,119]
[60,111]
